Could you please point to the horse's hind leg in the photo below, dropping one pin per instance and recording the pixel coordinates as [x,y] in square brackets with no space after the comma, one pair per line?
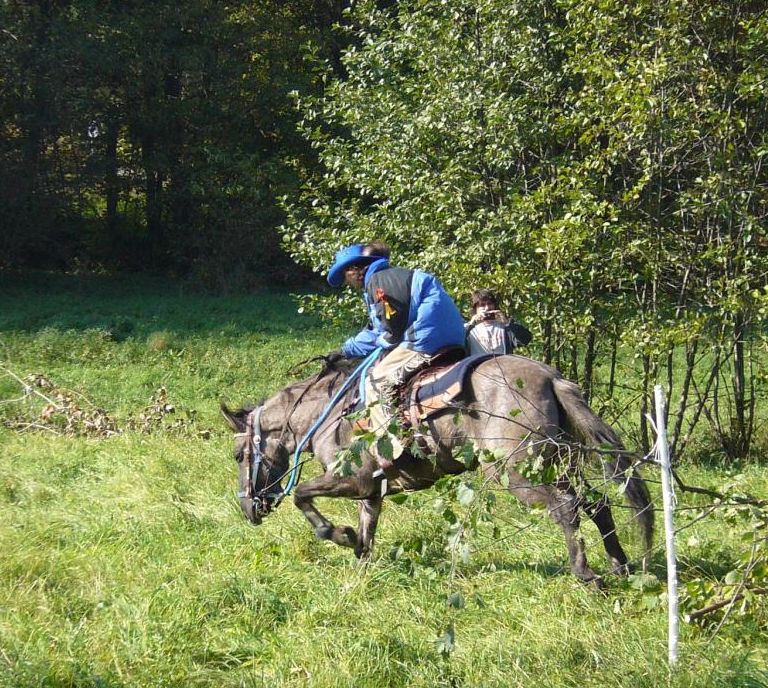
[600,513]
[563,508]
[564,511]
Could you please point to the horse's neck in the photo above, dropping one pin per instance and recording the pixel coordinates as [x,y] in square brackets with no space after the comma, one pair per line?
[297,407]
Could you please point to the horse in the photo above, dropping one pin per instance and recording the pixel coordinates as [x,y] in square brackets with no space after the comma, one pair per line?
[511,406]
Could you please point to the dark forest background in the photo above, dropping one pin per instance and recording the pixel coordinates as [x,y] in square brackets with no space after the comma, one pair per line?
[155,136]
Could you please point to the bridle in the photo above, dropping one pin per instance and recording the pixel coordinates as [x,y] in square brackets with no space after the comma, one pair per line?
[255,503]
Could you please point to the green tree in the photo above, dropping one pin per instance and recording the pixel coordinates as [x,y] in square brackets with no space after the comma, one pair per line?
[600,164]
[154,135]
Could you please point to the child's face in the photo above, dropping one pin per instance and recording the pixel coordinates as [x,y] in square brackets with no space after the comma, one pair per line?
[354,276]
[484,307]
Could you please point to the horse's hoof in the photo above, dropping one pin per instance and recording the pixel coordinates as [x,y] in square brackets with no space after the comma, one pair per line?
[363,556]
[593,581]
[597,584]
[623,570]
[324,532]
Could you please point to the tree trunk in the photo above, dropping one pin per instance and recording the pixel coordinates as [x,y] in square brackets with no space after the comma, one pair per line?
[547,340]
[682,407]
[153,212]
[739,436]
[645,443]
[589,364]
[111,182]
[612,375]
[573,356]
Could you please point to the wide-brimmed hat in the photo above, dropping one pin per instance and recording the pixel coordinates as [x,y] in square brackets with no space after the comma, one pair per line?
[351,255]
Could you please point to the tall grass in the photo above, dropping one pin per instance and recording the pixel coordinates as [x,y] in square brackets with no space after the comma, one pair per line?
[125,561]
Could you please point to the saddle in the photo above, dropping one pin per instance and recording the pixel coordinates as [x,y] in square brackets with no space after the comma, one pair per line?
[430,389]
[435,388]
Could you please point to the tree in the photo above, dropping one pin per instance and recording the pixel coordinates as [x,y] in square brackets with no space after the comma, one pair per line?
[154,135]
[598,163]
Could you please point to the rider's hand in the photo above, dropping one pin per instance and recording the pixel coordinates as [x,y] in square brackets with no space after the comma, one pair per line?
[483,316]
[334,357]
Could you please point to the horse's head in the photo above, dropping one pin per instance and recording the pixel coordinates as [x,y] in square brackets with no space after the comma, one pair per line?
[261,460]
[266,435]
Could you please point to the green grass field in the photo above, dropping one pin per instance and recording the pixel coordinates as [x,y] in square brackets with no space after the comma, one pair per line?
[125,560]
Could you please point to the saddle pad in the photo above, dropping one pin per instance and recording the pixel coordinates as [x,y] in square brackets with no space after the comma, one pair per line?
[436,388]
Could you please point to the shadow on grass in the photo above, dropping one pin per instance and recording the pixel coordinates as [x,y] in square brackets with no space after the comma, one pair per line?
[50,674]
[411,564]
[712,564]
[138,305]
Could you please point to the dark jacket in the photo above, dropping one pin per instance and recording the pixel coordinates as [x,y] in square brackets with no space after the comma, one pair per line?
[406,308]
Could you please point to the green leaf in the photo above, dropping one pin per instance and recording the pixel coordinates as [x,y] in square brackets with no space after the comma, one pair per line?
[548,474]
[650,601]
[466,454]
[384,447]
[450,517]
[466,494]
[644,582]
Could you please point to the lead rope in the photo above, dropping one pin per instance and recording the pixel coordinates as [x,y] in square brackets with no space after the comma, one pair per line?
[360,371]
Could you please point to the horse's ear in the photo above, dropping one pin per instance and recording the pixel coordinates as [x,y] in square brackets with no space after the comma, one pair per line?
[235,420]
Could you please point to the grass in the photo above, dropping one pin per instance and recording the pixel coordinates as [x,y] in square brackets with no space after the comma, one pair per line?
[125,561]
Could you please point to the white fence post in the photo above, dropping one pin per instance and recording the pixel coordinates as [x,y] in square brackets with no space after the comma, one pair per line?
[662,448]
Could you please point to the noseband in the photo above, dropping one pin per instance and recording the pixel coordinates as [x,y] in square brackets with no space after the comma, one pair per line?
[253,454]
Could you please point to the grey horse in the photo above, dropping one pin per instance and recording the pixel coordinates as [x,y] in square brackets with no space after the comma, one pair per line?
[512,406]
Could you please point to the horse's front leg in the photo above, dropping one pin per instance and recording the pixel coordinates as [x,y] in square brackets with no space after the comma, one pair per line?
[368,510]
[358,486]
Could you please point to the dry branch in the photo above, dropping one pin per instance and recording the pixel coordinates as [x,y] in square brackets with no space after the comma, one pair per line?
[693,616]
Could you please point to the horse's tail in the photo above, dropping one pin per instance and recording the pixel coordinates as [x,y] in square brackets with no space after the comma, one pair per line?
[587,426]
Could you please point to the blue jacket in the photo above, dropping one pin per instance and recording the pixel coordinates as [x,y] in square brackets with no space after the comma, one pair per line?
[406,308]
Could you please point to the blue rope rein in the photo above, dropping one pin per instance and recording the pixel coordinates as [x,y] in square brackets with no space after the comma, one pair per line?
[360,372]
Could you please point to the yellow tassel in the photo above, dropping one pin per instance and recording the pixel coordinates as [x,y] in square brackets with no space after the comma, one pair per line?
[389,311]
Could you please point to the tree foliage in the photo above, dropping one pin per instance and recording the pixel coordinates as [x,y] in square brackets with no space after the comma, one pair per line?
[155,135]
[599,164]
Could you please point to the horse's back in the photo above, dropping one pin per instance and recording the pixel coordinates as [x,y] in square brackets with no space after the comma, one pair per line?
[540,394]
[513,397]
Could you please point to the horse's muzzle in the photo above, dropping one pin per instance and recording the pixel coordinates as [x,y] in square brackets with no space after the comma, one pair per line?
[257,508]
[252,510]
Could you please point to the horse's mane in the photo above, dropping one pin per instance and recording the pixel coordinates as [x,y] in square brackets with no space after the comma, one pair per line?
[345,366]
[242,413]
[330,364]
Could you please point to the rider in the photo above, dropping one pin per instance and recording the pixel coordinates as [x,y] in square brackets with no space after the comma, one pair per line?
[411,317]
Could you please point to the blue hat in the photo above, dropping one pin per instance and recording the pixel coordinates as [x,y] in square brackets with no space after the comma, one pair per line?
[351,255]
